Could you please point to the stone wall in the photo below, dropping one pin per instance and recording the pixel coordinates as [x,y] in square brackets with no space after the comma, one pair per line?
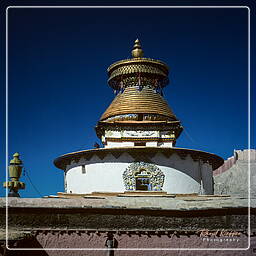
[232,177]
[227,165]
[242,155]
[152,224]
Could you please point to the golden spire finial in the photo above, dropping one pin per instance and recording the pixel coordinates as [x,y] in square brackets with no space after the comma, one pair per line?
[16,159]
[137,52]
[15,170]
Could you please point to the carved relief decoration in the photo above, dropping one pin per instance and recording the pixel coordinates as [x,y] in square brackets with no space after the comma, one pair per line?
[141,133]
[143,170]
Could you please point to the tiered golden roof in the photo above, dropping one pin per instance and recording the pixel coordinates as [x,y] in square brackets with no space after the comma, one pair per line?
[132,101]
[138,83]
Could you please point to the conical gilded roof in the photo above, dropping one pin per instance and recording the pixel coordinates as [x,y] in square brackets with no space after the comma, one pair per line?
[135,101]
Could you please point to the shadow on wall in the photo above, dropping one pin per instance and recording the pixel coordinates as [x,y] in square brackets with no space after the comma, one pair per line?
[30,242]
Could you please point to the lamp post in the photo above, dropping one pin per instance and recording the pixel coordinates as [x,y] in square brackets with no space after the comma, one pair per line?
[15,170]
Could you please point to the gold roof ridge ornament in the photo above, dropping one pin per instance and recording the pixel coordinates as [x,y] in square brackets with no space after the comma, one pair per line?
[15,170]
[138,70]
[137,51]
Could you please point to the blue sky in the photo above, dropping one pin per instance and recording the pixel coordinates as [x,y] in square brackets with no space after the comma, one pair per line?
[58,81]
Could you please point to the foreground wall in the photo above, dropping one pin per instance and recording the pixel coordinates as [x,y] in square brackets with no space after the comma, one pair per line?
[124,223]
[132,241]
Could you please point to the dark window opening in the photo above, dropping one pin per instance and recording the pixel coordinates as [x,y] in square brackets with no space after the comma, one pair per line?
[139,143]
[142,180]
[143,184]
[140,117]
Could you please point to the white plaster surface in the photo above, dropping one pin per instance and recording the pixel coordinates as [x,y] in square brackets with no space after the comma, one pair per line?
[113,134]
[138,134]
[151,144]
[166,134]
[115,144]
[98,177]
[150,135]
[166,144]
[182,176]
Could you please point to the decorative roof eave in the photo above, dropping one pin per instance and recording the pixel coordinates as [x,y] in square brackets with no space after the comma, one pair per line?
[149,125]
[146,122]
[123,73]
[136,123]
[62,161]
[137,60]
[158,139]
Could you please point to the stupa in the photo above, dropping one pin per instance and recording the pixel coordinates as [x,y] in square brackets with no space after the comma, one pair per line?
[138,132]
[134,176]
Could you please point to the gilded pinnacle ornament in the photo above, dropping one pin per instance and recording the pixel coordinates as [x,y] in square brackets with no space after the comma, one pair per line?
[137,52]
[15,170]
[138,71]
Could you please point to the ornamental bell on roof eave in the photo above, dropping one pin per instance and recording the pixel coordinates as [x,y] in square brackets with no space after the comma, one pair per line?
[139,115]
